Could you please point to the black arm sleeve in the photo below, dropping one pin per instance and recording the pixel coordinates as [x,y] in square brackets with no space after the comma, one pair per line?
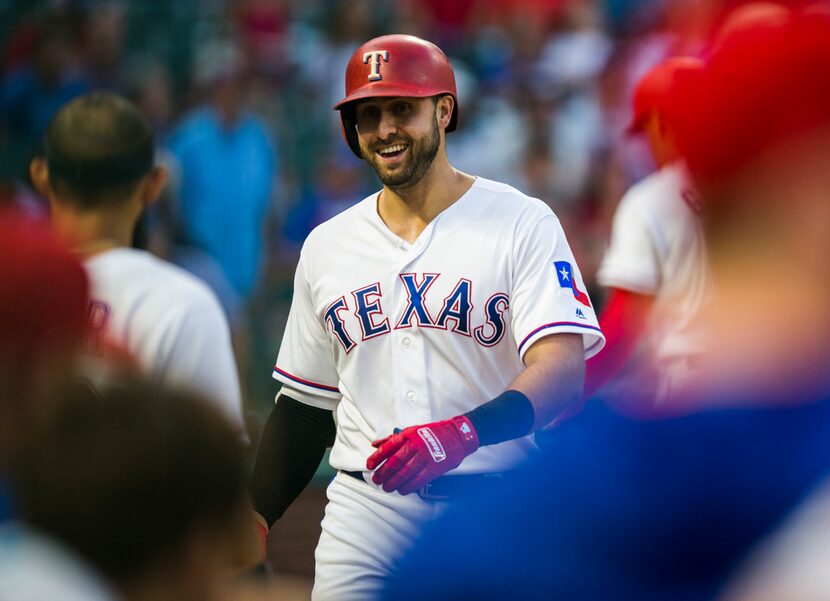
[510,415]
[293,442]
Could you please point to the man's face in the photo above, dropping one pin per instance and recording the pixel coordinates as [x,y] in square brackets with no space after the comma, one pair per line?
[399,138]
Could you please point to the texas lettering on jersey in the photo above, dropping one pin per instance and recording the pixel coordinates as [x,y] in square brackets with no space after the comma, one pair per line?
[454,314]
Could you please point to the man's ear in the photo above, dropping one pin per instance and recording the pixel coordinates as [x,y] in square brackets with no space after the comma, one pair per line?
[443,110]
[39,172]
[153,184]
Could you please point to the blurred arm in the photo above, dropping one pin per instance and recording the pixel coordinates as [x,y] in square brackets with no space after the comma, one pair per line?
[622,322]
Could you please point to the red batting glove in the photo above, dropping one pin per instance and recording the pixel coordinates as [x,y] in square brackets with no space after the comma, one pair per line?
[416,456]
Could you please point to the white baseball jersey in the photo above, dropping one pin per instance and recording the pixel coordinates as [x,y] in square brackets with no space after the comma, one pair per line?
[657,248]
[169,321]
[391,334]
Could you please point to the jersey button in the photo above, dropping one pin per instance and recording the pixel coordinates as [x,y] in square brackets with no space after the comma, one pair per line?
[410,396]
[406,342]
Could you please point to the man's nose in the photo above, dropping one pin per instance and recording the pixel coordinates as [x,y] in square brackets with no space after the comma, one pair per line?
[388,125]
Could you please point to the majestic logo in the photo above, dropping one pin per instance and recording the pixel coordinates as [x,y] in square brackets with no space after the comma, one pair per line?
[433,445]
[565,273]
[373,59]
[580,314]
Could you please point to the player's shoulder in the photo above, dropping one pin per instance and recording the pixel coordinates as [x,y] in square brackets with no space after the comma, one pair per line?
[345,221]
[141,273]
[506,202]
[658,191]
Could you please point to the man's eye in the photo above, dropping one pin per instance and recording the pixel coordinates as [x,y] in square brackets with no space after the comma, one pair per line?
[402,108]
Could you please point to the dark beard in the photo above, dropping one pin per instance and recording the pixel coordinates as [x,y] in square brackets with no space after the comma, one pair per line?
[421,155]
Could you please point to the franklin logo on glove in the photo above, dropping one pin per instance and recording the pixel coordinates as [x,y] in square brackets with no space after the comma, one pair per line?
[434,445]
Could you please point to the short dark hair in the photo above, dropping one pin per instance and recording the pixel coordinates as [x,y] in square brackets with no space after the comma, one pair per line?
[98,146]
[124,476]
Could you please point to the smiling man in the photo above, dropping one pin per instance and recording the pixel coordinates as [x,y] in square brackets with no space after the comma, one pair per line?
[434,327]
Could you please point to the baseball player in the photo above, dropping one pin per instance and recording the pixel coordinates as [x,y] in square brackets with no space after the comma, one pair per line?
[99,175]
[434,326]
[655,265]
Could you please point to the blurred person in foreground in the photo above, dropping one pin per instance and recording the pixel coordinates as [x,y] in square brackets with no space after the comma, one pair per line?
[147,485]
[99,174]
[626,508]
[655,266]
[43,324]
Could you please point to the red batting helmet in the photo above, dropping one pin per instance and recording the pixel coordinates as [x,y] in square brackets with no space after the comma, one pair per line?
[395,65]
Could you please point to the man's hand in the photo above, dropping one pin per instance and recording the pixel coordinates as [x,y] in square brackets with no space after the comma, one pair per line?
[414,457]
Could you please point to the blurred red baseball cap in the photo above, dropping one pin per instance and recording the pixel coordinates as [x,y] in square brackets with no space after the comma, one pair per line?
[750,16]
[43,301]
[655,90]
[761,88]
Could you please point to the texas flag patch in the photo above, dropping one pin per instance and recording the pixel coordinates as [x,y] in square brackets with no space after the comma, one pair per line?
[565,273]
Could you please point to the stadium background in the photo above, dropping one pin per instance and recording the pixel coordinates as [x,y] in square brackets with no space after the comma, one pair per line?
[544,88]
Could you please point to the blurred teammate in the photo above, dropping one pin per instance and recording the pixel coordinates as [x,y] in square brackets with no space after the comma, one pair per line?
[42,326]
[43,307]
[655,266]
[666,509]
[148,486]
[99,175]
[441,320]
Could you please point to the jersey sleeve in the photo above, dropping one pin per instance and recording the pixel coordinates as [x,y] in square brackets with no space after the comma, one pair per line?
[199,355]
[631,261]
[305,361]
[548,295]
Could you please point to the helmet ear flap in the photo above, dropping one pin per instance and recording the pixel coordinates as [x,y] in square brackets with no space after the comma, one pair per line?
[348,118]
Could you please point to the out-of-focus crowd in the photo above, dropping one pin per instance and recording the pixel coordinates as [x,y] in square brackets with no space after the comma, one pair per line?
[240,93]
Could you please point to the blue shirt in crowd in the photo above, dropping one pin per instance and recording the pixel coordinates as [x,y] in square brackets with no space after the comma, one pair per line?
[226,184]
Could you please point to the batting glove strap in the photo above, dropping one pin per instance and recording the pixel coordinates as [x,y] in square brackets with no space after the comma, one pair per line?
[468,433]
[414,457]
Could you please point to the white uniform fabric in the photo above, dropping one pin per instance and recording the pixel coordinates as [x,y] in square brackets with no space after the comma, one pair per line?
[657,248]
[391,334]
[36,568]
[169,321]
[366,531]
